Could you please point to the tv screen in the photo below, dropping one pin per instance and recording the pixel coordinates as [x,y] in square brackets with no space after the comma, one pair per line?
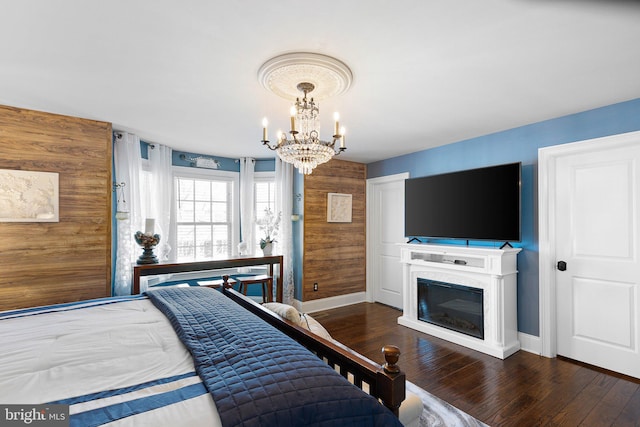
[475,204]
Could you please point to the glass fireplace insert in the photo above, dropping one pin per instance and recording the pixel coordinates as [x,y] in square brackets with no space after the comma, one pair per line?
[455,307]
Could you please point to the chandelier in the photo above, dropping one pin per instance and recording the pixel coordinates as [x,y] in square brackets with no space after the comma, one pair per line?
[304,149]
[289,75]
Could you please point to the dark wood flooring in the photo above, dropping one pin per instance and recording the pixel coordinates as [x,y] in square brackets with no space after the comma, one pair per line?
[522,390]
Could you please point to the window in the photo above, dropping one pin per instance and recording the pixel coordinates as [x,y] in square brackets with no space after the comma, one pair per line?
[205,214]
[264,198]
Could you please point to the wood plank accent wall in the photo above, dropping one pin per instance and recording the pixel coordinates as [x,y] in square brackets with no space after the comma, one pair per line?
[47,263]
[334,254]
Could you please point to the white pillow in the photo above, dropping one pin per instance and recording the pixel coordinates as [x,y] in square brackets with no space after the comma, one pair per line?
[283,310]
[301,319]
[314,326]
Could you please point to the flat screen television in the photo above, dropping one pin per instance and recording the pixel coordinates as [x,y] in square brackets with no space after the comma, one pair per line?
[475,204]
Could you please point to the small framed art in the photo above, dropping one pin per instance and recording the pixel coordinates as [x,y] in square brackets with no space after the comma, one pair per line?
[339,207]
[28,196]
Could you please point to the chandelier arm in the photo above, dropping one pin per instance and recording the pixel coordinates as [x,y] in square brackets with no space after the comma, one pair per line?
[294,135]
[269,146]
[333,144]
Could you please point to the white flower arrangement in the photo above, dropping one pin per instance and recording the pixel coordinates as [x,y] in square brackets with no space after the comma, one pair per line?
[269,225]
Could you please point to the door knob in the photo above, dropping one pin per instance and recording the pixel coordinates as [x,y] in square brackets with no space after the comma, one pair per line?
[562,266]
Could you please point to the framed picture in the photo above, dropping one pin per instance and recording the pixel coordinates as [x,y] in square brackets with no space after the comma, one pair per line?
[27,196]
[339,207]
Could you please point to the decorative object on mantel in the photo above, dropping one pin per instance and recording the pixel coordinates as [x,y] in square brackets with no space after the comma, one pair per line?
[147,240]
[339,207]
[289,75]
[269,225]
[28,196]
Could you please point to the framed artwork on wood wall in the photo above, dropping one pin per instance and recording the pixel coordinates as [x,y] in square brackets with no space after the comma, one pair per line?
[339,207]
[28,196]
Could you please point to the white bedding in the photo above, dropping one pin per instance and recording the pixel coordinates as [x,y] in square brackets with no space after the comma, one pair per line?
[86,352]
[76,350]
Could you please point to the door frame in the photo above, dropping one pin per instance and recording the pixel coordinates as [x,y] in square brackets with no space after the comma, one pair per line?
[547,158]
[372,218]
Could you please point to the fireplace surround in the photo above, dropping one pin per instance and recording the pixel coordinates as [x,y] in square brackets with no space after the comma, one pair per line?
[474,295]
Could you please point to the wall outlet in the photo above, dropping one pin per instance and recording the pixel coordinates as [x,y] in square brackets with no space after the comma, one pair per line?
[315,287]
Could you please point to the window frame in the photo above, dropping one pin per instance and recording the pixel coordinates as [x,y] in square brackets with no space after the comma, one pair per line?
[269,176]
[213,175]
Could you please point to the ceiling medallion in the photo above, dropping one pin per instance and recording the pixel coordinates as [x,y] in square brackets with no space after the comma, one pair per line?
[282,74]
[291,75]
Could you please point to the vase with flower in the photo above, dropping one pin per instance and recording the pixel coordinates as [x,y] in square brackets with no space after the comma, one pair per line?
[269,224]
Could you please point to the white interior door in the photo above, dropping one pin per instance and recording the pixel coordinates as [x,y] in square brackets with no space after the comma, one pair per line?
[385,229]
[597,226]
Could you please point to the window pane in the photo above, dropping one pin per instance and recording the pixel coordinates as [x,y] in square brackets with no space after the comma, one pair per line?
[204,247]
[203,190]
[262,192]
[219,191]
[219,212]
[185,211]
[185,189]
[203,211]
[185,238]
[221,241]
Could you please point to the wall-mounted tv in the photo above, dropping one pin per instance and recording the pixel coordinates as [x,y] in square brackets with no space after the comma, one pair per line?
[475,204]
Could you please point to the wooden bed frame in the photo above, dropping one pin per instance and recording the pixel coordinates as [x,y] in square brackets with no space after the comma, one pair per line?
[386,382]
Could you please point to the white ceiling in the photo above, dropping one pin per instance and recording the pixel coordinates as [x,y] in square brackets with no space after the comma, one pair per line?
[426,72]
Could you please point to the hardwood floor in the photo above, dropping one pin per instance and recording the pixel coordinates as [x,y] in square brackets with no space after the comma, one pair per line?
[522,390]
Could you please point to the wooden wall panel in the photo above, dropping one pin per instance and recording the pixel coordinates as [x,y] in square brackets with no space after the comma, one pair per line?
[47,263]
[334,254]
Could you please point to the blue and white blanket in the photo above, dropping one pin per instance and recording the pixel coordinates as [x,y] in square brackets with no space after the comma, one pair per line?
[257,375]
[118,361]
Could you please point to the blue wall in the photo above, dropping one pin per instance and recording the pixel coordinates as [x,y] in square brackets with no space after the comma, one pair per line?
[519,144]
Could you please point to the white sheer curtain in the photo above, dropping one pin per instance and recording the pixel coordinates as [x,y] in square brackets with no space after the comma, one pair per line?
[284,204]
[161,196]
[247,173]
[128,166]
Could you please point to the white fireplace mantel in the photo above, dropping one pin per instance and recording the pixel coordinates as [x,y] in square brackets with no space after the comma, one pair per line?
[490,269]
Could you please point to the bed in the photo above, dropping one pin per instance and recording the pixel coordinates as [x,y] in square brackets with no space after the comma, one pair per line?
[189,357]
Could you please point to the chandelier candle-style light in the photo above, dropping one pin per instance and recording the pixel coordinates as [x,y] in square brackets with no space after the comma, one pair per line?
[305,150]
[289,75]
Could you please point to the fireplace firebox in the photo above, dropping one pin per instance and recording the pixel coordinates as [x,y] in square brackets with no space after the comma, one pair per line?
[451,306]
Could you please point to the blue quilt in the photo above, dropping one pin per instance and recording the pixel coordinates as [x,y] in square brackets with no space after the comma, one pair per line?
[257,375]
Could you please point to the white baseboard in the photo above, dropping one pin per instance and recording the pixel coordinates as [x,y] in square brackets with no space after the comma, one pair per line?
[329,303]
[530,343]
